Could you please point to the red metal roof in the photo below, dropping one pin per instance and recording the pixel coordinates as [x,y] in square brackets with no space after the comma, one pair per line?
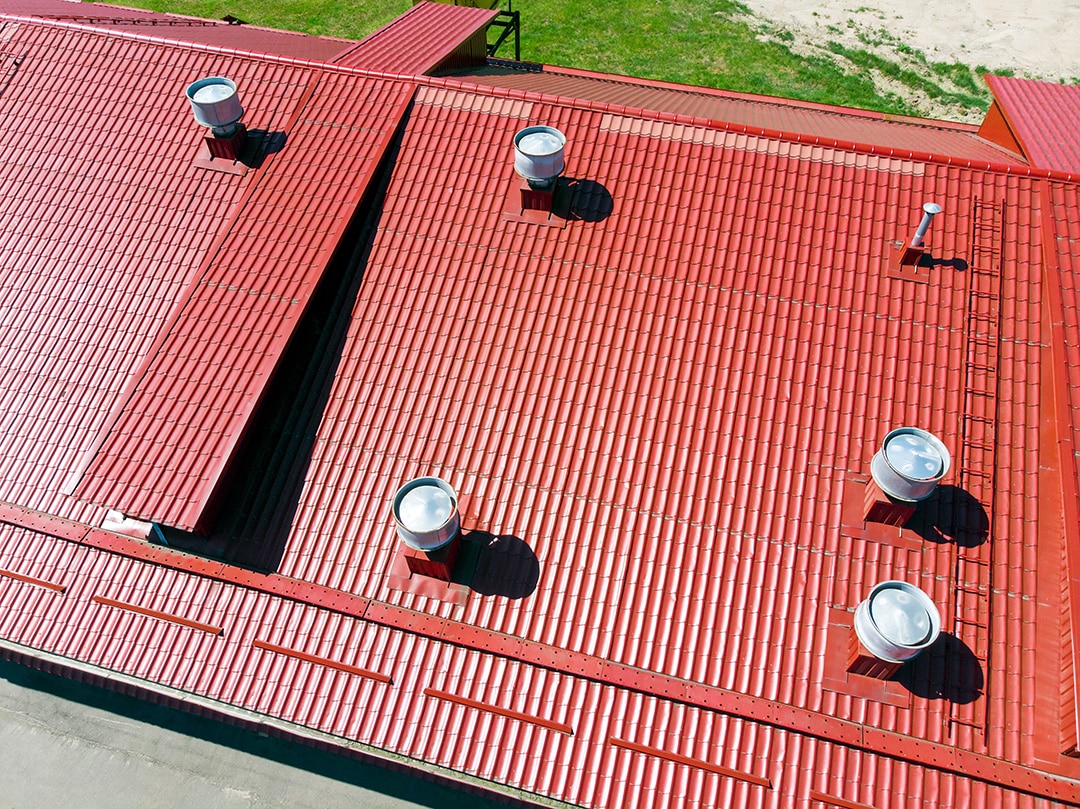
[162,454]
[420,39]
[1043,117]
[657,412]
[178,28]
[735,110]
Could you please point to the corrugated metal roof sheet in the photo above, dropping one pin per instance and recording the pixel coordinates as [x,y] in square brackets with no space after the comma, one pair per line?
[420,39]
[656,413]
[1044,118]
[669,423]
[742,110]
[1061,204]
[163,453]
[179,28]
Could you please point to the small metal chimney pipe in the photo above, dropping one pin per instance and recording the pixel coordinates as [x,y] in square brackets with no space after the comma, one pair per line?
[930,210]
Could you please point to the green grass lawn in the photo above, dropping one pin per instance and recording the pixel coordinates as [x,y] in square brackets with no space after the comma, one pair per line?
[711,43]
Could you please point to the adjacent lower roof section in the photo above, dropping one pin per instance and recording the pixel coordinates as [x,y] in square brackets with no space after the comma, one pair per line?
[424,38]
[229,33]
[164,451]
[1040,117]
[758,115]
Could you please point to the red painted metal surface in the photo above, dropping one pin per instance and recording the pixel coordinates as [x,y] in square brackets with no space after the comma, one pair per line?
[1062,315]
[832,800]
[122,21]
[653,415]
[162,454]
[420,39]
[48,585]
[558,727]
[161,616]
[793,117]
[1042,116]
[321,661]
[691,762]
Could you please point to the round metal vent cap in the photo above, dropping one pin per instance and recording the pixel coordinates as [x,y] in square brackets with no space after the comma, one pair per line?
[215,102]
[425,508]
[909,464]
[897,621]
[426,513]
[539,153]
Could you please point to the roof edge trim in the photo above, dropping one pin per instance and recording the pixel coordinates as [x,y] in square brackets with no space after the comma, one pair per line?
[1062,426]
[191,702]
[761,710]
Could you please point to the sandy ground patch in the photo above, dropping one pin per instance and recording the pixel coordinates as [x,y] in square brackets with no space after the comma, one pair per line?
[1035,38]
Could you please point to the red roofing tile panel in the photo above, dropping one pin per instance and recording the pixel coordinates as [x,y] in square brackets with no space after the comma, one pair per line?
[657,414]
[106,229]
[1062,219]
[613,452]
[421,39]
[1043,117]
[623,745]
[738,110]
[236,36]
[1065,222]
[161,455]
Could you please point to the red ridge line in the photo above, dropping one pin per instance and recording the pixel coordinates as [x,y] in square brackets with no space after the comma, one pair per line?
[749,98]
[164,616]
[755,131]
[594,106]
[834,801]
[1063,430]
[321,661]
[56,588]
[483,706]
[691,762]
[77,478]
[936,755]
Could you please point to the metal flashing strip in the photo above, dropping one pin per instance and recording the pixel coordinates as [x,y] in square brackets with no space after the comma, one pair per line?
[321,661]
[750,778]
[558,727]
[841,803]
[56,588]
[161,616]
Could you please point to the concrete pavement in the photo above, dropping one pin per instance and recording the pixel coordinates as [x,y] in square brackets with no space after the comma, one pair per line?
[67,744]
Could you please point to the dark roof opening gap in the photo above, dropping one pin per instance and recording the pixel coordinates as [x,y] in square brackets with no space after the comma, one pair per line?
[253,509]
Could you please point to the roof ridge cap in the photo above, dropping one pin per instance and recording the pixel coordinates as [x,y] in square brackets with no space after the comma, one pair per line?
[746,98]
[763,132]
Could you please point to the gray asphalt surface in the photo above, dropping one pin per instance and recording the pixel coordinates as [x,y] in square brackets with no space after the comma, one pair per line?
[66,744]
